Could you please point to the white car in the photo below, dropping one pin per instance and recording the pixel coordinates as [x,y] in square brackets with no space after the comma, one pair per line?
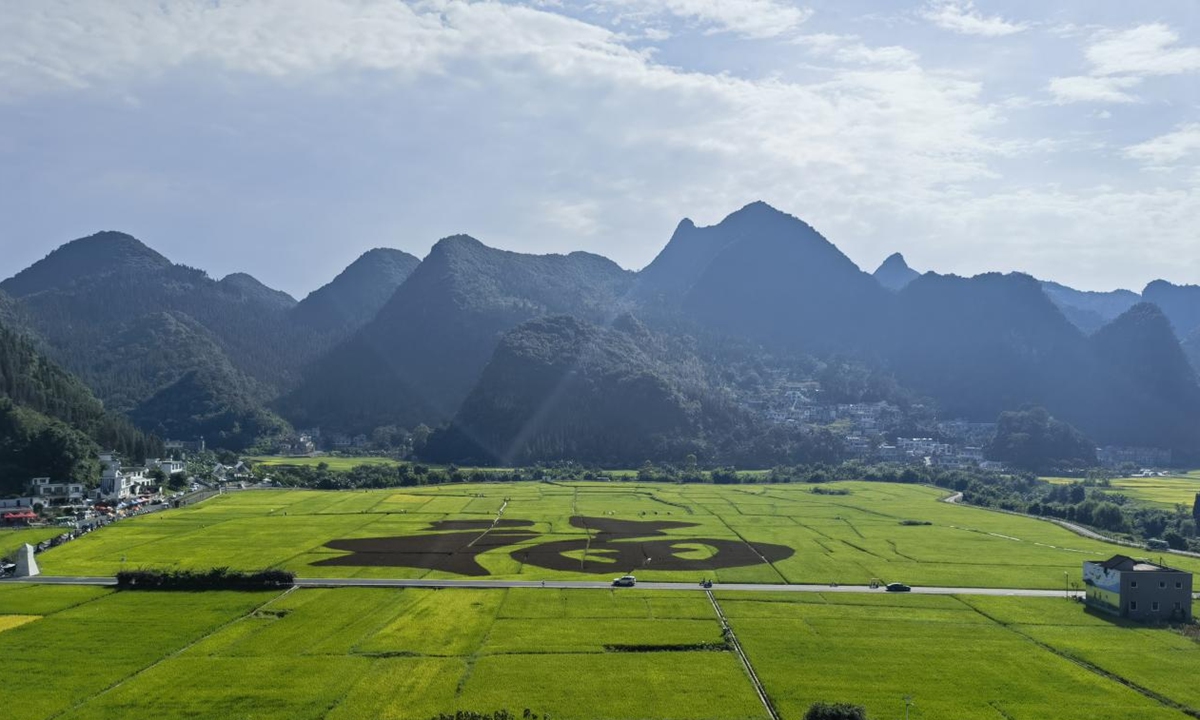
[625,581]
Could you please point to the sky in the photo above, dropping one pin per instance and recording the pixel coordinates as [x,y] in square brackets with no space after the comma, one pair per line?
[285,137]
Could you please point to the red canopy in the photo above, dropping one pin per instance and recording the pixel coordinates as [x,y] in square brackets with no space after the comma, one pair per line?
[26,515]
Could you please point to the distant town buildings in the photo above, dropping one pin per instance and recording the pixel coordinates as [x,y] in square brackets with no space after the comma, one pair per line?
[178,447]
[300,444]
[1138,589]
[1112,456]
[870,429]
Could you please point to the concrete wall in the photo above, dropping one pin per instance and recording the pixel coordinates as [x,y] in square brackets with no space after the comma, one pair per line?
[1140,591]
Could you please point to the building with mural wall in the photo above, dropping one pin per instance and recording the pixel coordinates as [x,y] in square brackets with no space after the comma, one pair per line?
[1138,589]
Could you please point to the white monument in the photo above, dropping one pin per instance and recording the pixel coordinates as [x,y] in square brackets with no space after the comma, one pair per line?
[26,564]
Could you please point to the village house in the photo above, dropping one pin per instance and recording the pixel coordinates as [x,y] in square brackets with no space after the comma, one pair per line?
[1138,589]
[48,492]
[118,482]
[301,444]
[179,447]
[170,467]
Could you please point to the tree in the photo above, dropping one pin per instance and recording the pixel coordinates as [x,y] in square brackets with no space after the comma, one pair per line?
[1196,508]
[420,436]
[835,711]
[1033,440]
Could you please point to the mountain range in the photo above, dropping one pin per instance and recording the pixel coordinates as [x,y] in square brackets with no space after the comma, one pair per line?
[517,358]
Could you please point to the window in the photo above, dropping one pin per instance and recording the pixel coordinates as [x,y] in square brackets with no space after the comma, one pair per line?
[1133,583]
[1154,607]
[1133,605]
[1177,607]
[1178,586]
[1162,583]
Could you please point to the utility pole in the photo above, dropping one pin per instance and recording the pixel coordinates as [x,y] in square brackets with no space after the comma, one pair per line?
[908,702]
[1066,585]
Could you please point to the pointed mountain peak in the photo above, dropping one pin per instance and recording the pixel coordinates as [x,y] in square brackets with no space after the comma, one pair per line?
[894,273]
[455,243]
[385,256]
[250,288]
[759,216]
[355,296]
[1143,342]
[94,255]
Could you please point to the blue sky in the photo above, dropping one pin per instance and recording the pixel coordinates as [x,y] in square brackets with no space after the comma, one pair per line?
[285,137]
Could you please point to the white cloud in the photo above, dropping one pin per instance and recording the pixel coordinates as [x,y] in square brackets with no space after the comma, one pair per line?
[378,119]
[1180,143]
[1121,60]
[960,16]
[749,18]
[1086,88]
[849,49]
[1142,51]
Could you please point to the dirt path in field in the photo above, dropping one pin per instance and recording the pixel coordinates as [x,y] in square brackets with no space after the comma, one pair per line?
[731,638]
[1096,669]
[170,656]
[499,514]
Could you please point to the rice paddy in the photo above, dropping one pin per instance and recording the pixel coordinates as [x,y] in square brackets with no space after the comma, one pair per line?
[761,534]
[77,652]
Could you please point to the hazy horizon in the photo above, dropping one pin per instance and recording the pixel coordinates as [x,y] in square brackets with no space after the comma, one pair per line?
[283,139]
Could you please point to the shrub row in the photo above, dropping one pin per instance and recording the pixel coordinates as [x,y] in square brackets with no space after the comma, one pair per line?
[214,579]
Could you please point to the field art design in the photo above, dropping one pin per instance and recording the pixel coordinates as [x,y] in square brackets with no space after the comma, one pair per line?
[615,544]
[545,531]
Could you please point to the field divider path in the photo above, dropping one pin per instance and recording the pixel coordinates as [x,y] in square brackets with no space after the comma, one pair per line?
[499,515]
[1090,667]
[731,638]
[752,548]
[171,656]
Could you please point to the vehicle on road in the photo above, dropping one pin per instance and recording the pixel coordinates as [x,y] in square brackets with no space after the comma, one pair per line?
[625,581]
[897,587]
[706,583]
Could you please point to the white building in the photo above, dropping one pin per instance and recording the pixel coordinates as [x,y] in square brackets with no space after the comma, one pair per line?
[170,467]
[48,492]
[117,482]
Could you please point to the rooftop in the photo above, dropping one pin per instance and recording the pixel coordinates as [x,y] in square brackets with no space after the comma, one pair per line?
[1124,563]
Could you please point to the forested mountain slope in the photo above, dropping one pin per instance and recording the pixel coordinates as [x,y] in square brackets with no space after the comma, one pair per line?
[355,296]
[51,424]
[417,360]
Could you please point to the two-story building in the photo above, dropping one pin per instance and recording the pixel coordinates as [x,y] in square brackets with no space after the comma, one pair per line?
[168,466]
[1138,589]
[118,482]
[49,492]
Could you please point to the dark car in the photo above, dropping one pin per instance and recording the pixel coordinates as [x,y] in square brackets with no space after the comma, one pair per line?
[897,587]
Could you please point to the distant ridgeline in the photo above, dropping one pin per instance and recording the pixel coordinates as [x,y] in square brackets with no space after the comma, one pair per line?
[754,341]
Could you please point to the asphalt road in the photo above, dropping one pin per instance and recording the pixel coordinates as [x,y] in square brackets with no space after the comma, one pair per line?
[584,585]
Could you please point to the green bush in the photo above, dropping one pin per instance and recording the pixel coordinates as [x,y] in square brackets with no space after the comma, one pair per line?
[835,711]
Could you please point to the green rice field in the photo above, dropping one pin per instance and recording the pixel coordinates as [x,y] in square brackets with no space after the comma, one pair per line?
[12,540]
[335,462]
[963,657]
[374,653]
[1164,492]
[849,539]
